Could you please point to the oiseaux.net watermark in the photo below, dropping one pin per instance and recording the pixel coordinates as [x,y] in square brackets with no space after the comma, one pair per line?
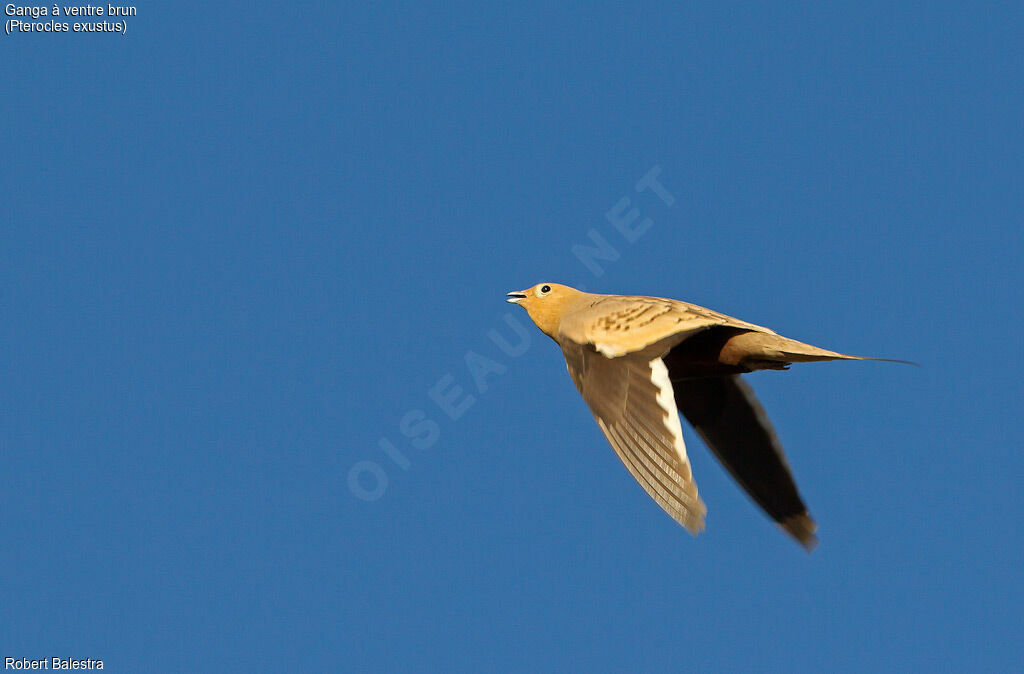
[368,478]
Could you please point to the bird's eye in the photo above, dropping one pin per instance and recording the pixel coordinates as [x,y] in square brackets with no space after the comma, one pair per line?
[544,290]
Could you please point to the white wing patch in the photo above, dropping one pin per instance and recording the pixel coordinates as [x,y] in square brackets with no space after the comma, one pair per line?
[667,402]
[610,350]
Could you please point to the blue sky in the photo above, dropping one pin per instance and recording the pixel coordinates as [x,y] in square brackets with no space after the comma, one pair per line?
[242,246]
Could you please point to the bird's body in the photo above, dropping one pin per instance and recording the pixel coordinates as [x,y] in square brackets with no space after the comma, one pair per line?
[637,360]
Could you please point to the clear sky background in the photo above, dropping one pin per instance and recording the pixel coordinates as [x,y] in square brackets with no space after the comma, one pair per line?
[240,245]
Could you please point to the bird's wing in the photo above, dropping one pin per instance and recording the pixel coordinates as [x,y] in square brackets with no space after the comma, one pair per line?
[727,415]
[632,400]
[617,325]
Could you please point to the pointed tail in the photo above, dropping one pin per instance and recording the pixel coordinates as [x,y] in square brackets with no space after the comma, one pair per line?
[761,350]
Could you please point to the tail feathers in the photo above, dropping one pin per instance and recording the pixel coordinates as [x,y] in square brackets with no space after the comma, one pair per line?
[829,355]
[761,350]
[885,360]
[794,357]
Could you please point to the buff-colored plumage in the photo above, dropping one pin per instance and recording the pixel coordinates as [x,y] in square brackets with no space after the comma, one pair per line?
[638,361]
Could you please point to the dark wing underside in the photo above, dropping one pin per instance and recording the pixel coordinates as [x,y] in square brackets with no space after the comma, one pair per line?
[725,413]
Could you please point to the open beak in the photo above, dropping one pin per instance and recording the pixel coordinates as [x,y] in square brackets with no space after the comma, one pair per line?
[514,298]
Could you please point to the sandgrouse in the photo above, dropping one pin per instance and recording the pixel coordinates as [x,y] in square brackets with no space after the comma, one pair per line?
[637,360]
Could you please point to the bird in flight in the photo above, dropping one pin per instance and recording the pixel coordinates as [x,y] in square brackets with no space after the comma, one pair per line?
[637,360]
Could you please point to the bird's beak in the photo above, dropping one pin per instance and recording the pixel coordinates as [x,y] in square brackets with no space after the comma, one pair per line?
[515,298]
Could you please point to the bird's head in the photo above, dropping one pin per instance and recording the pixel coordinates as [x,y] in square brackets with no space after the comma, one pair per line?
[546,303]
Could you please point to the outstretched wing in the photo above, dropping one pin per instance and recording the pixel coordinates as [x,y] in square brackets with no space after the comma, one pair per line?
[617,325]
[727,415]
[632,400]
